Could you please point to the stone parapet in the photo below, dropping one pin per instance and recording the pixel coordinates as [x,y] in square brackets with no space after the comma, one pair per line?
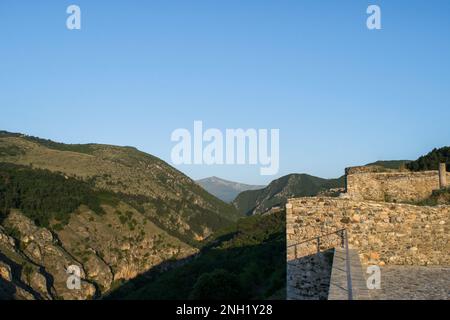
[383,233]
[392,186]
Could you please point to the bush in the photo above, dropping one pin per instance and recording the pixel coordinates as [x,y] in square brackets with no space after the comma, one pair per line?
[13,232]
[438,197]
[217,285]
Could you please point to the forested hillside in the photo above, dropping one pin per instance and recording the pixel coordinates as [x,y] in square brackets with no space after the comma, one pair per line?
[431,160]
[243,261]
[115,212]
[278,191]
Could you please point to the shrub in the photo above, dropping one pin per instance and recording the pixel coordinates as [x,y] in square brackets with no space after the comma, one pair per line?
[217,285]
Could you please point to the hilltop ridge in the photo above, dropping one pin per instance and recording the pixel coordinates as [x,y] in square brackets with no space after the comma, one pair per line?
[279,190]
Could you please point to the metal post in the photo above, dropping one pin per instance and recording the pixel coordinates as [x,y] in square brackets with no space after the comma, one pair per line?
[318,244]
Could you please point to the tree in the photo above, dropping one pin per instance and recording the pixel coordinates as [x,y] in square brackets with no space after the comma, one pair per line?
[431,160]
[217,285]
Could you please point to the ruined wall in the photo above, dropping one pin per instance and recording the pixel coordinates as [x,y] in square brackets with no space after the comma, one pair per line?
[391,186]
[384,233]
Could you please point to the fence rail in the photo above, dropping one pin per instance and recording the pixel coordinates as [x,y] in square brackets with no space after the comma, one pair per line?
[324,242]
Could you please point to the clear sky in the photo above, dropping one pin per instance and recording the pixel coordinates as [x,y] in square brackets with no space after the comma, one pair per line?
[340,94]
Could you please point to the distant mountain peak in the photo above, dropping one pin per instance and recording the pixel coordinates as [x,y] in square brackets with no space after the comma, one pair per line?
[223,189]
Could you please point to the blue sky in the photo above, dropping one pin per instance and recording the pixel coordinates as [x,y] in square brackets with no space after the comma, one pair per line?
[340,94]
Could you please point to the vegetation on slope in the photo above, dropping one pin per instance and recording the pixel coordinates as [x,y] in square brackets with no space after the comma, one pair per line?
[243,261]
[43,195]
[431,160]
[80,148]
[438,197]
[278,191]
[166,196]
[195,215]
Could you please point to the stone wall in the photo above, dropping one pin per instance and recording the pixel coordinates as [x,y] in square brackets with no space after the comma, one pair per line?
[308,278]
[309,266]
[391,186]
[384,233]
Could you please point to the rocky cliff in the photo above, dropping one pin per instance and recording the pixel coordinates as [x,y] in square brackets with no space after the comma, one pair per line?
[114,212]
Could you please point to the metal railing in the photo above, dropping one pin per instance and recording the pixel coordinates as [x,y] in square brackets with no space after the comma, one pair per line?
[341,233]
[325,242]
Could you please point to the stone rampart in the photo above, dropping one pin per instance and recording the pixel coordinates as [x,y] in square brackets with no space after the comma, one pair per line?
[391,186]
[383,233]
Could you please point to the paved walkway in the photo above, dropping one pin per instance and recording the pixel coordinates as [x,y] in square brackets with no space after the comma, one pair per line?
[315,277]
[413,283]
[338,283]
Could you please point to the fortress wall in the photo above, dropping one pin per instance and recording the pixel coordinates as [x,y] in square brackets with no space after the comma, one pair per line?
[384,233]
[392,186]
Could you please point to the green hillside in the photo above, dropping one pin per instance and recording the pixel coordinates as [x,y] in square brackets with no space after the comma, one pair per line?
[81,148]
[43,196]
[431,160]
[167,197]
[278,191]
[116,211]
[243,261]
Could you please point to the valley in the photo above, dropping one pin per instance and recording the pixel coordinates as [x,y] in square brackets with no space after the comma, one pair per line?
[139,229]
[114,211]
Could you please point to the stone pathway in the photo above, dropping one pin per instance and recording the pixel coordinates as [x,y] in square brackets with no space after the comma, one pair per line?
[339,280]
[413,283]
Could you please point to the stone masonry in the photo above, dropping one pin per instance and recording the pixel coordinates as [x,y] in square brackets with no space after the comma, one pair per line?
[382,227]
[384,233]
[392,186]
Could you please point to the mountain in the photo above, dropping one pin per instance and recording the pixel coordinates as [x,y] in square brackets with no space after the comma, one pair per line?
[278,191]
[224,189]
[114,212]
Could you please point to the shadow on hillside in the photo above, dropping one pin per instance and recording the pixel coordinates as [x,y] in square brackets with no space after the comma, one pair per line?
[260,271]
[8,290]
